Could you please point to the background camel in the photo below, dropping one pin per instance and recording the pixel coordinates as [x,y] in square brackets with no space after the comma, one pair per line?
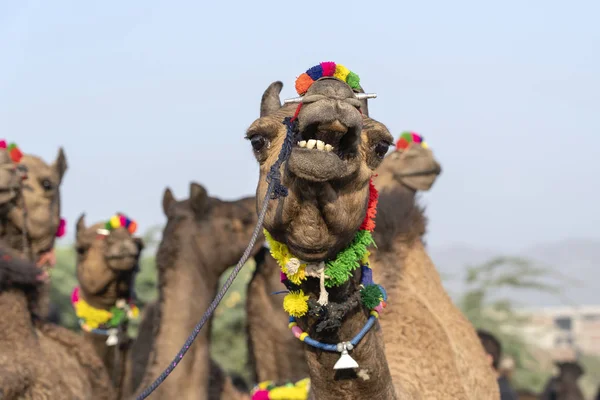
[31,350]
[107,259]
[335,152]
[273,352]
[203,237]
[421,316]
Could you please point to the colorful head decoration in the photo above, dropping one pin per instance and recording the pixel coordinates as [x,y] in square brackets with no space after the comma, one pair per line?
[269,391]
[407,138]
[120,220]
[62,228]
[327,68]
[13,151]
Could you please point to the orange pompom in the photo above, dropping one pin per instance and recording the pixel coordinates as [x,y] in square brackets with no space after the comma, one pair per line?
[132,227]
[303,83]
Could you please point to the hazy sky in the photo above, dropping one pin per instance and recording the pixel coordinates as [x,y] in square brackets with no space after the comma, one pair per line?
[147,94]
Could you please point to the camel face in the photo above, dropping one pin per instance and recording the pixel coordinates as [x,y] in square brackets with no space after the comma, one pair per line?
[415,167]
[41,194]
[334,154]
[220,230]
[118,249]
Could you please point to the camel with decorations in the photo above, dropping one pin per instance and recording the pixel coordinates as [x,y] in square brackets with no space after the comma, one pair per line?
[104,302]
[319,229]
[203,237]
[32,350]
[420,315]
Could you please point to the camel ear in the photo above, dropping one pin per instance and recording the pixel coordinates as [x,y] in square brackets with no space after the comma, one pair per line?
[60,164]
[270,101]
[80,226]
[198,198]
[139,242]
[167,201]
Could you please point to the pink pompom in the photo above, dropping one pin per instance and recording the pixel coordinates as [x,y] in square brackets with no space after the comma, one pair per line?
[282,277]
[261,395]
[2,144]
[297,331]
[75,295]
[62,228]
[328,68]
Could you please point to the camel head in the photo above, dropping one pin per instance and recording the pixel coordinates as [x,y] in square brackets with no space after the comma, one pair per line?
[570,371]
[219,230]
[411,165]
[336,149]
[109,244]
[11,174]
[41,195]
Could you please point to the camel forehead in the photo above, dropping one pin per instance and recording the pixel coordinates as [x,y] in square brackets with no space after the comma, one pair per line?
[36,166]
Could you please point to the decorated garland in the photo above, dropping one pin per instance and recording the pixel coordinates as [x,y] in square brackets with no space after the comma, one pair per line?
[328,68]
[332,273]
[291,391]
[13,151]
[408,138]
[103,322]
[62,228]
[120,220]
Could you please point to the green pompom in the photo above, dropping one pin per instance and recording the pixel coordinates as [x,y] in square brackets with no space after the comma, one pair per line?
[353,80]
[371,296]
[108,226]
[340,269]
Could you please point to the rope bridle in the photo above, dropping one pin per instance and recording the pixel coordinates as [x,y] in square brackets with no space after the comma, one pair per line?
[274,190]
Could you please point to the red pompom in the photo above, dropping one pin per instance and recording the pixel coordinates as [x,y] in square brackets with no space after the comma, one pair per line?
[369,221]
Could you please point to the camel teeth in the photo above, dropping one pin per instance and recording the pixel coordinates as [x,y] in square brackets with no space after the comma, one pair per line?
[328,147]
[302,143]
[311,144]
[320,145]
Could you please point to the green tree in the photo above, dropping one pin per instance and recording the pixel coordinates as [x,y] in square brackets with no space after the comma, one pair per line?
[498,315]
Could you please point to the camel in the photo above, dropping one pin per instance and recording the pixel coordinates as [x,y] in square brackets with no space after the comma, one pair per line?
[32,350]
[564,386]
[203,237]
[458,367]
[107,260]
[326,217]
[274,354]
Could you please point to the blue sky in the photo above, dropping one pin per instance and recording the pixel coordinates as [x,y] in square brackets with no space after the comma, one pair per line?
[147,94]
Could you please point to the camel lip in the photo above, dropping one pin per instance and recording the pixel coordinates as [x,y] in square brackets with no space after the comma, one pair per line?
[121,257]
[306,254]
[316,166]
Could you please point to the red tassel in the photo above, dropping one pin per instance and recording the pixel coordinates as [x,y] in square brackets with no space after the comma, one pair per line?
[369,222]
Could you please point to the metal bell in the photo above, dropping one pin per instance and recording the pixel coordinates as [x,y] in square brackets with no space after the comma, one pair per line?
[345,361]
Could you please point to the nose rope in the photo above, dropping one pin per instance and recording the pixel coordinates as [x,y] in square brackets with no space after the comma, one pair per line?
[274,190]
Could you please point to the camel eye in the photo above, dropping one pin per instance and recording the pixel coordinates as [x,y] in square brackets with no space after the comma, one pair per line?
[381,149]
[47,184]
[258,142]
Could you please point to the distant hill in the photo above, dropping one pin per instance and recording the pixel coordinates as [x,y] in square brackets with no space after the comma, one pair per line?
[576,259]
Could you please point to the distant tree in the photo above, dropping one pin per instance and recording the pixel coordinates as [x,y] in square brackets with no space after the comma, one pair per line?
[486,310]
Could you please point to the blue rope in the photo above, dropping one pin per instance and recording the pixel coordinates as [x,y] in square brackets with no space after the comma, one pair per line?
[274,190]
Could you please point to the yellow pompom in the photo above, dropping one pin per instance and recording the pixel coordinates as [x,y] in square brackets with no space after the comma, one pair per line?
[264,385]
[93,317]
[134,312]
[341,72]
[294,303]
[365,259]
[424,145]
[288,393]
[115,221]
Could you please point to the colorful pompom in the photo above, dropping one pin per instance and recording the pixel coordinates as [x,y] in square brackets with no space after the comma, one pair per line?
[295,303]
[303,83]
[261,394]
[407,138]
[341,72]
[62,228]
[2,144]
[328,68]
[315,72]
[120,220]
[132,227]
[14,152]
[115,222]
[353,80]
[371,296]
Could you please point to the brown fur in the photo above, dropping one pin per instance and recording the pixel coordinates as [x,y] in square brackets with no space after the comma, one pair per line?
[103,281]
[39,360]
[203,237]
[418,299]
[319,217]
[564,386]
[274,353]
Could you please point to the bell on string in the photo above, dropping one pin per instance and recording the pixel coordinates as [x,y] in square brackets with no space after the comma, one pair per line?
[345,361]
[112,339]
